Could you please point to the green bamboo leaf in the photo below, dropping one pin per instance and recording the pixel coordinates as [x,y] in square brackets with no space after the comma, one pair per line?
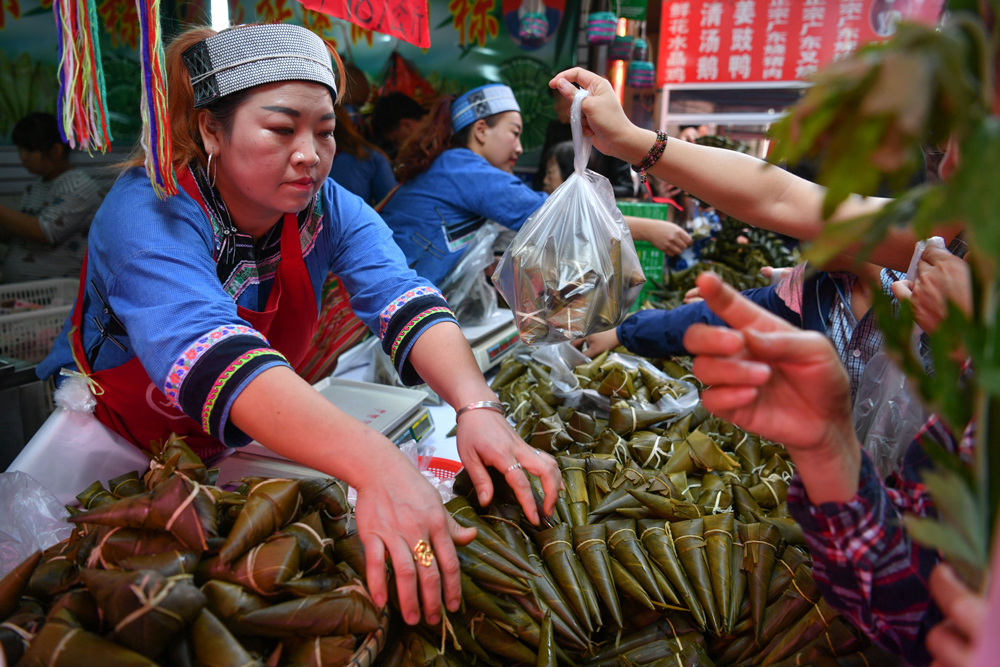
[941,537]
[947,460]
[963,5]
[958,508]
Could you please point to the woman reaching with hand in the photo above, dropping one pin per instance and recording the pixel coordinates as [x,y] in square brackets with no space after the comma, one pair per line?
[195,311]
[744,187]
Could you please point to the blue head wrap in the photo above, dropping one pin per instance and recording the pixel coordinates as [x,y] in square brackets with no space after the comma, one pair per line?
[481,102]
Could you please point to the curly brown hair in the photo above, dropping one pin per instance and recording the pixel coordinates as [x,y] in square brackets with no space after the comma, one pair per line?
[433,137]
[185,137]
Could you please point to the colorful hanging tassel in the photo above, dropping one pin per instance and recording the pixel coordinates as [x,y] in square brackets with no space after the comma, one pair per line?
[601,27]
[155,122]
[621,48]
[533,28]
[81,109]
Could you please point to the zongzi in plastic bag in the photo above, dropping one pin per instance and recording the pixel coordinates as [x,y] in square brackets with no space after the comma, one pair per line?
[572,270]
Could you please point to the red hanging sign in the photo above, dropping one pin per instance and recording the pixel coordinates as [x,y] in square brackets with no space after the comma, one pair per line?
[405,19]
[737,41]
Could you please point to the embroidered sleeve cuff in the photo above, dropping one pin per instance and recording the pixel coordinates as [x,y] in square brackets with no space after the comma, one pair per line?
[407,323]
[209,376]
[231,436]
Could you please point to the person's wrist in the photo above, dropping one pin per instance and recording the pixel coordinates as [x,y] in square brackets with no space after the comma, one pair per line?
[830,470]
[634,144]
[383,461]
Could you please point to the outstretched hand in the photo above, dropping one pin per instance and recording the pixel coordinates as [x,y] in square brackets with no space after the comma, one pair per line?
[486,439]
[603,116]
[394,513]
[788,385]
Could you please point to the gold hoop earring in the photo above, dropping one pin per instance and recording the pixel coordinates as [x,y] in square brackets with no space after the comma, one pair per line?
[208,170]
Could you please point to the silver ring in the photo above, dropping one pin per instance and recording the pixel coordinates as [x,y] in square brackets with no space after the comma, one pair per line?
[516,466]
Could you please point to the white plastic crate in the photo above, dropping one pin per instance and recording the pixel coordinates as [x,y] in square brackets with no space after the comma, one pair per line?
[29,334]
[52,292]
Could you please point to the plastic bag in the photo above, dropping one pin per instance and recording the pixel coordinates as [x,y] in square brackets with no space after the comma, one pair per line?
[466,288]
[572,270]
[32,520]
[72,449]
[887,410]
[562,359]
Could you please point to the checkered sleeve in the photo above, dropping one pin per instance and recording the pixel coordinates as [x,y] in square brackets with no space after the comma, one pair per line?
[867,566]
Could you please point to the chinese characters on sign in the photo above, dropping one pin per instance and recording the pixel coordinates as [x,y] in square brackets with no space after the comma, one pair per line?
[474,21]
[732,41]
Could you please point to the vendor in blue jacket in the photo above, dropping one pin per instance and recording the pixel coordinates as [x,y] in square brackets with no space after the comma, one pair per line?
[456,173]
[195,310]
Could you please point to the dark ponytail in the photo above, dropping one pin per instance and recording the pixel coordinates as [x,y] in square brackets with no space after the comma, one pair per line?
[433,137]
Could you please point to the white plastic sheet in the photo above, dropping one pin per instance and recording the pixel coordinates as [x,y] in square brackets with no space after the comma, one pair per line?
[72,449]
[562,359]
[32,520]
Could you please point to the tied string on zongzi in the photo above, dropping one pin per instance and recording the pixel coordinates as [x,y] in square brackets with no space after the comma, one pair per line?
[276,480]
[767,481]
[657,452]
[252,566]
[187,503]
[584,543]
[555,542]
[616,391]
[493,517]
[322,541]
[717,509]
[677,638]
[620,451]
[150,603]
[796,586]
[635,419]
[759,542]
[25,636]
[61,646]
[97,555]
[120,484]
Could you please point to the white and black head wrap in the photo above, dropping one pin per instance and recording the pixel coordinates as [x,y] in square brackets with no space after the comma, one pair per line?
[248,56]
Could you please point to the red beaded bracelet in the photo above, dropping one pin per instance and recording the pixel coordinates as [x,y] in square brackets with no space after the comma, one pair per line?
[652,156]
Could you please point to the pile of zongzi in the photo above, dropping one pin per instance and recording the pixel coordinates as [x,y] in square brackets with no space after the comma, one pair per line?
[671,544]
[171,570]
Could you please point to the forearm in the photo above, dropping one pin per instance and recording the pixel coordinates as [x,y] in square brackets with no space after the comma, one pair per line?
[281,411]
[641,228]
[15,223]
[742,186]
[445,362]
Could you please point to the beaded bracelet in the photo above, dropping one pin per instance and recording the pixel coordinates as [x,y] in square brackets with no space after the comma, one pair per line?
[652,156]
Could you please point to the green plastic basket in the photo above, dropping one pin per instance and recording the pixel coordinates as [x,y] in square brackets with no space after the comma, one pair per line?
[651,259]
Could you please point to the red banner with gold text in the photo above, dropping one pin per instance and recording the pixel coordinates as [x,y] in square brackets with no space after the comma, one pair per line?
[405,19]
[737,41]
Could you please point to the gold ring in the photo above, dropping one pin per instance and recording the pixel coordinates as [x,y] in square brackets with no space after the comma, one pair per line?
[423,554]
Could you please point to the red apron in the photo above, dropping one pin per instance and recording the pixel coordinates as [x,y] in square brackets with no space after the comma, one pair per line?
[135,408]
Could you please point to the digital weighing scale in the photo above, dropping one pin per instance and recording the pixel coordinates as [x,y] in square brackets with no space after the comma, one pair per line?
[492,340]
[394,412]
